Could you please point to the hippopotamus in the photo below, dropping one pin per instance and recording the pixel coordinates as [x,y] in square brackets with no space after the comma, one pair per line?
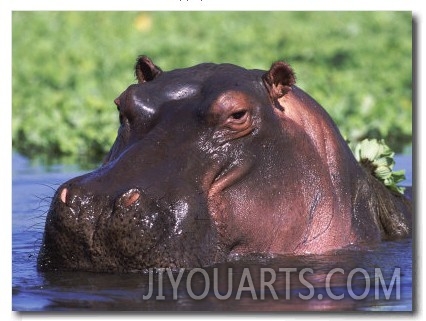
[214,162]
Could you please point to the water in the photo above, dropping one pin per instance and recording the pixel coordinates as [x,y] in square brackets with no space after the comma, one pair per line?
[369,280]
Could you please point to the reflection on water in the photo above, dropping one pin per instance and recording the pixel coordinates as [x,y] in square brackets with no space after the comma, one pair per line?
[376,279]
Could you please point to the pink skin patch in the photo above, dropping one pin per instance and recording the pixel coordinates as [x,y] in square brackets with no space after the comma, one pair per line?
[64,195]
[130,197]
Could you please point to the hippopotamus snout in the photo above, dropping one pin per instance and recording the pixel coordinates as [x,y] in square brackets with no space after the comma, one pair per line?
[87,229]
[118,228]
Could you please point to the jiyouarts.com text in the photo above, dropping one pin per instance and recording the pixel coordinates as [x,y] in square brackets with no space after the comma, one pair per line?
[277,284]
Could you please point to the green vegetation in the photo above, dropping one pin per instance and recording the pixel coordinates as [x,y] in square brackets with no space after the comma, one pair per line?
[69,66]
[378,158]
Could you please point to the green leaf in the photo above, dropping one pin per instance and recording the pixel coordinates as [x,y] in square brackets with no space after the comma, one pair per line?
[380,157]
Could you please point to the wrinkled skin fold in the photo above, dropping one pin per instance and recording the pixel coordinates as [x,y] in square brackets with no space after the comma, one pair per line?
[212,161]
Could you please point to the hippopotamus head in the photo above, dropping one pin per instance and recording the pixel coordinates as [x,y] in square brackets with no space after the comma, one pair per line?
[213,161]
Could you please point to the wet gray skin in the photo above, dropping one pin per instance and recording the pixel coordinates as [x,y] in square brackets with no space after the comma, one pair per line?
[214,161]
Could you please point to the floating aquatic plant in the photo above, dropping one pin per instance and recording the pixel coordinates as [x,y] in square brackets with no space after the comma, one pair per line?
[378,158]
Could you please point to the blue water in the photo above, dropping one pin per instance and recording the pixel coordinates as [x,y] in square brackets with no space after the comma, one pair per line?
[367,280]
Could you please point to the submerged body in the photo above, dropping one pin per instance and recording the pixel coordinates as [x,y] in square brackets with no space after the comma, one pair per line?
[212,161]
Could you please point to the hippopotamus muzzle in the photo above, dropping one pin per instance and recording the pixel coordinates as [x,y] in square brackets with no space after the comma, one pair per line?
[212,161]
[114,232]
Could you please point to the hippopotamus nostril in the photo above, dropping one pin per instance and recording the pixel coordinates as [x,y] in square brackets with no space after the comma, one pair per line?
[74,198]
[129,197]
[64,195]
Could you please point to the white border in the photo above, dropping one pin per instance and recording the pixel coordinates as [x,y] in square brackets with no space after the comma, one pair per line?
[8,6]
[263,5]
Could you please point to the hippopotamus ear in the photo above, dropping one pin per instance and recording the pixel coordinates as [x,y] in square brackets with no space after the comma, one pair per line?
[146,70]
[279,79]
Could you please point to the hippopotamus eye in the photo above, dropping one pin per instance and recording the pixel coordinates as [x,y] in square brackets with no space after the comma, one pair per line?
[239,114]
[239,121]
